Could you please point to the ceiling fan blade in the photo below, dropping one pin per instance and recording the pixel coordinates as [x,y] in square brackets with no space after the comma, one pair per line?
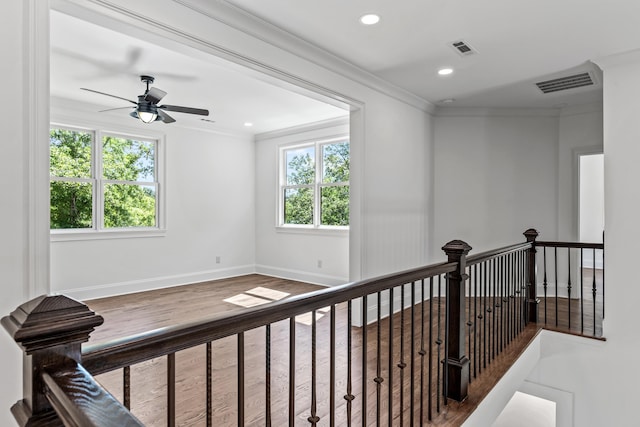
[108,94]
[154,95]
[165,117]
[187,110]
[111,109]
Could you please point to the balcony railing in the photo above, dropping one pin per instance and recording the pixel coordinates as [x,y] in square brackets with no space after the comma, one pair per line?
[389,350]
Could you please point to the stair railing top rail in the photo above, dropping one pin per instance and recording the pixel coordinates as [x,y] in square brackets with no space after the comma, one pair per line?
[108,356]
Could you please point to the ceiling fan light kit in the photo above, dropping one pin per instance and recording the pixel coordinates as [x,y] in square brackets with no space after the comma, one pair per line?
[147,109]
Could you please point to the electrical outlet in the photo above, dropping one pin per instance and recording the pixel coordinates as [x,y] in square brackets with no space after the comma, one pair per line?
[218,259]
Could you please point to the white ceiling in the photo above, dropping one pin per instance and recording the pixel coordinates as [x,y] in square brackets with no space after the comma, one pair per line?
[518,43]
[87,55]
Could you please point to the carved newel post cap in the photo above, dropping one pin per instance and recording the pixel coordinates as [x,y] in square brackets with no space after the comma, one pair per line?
[531,234]
[47,321]
[456,247]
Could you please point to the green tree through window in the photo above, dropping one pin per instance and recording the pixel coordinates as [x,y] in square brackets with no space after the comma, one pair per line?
[315,188]
[111,185]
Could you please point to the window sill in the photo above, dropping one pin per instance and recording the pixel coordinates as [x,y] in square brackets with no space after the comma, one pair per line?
[315,231]
[66,236]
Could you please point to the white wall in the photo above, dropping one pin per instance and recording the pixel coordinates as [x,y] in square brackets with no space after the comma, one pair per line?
[580,133]
[495,176]
[295,253]
[210,212]
[14,210]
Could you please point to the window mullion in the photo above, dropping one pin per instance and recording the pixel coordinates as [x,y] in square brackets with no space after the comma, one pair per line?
[316,190]
[98,185]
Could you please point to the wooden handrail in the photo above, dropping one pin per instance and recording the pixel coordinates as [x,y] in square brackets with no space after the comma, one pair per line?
[575,245]
[80,401]
[108,356]
[494,253]
[59,385]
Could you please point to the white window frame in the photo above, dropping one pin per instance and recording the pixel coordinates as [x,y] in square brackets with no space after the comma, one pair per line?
[97,230]
[316,186]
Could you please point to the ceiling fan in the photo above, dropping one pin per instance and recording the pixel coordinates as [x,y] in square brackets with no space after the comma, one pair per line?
[147,108]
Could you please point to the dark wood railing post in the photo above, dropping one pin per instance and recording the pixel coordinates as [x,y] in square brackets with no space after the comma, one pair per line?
[457,362]
[50,330]
[532,286]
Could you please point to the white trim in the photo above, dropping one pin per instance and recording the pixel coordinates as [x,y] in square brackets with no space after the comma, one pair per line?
[239,19]
[316,187]
[129,287]
[302,276]
[36,129]
[98,231]
[294,130]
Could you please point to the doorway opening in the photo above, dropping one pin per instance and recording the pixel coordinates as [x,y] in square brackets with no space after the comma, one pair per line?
[591,207]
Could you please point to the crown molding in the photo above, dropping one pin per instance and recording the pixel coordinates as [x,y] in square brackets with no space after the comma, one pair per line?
[322,124]
[241,20]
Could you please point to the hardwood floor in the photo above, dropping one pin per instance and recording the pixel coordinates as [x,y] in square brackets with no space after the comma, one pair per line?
[135,313]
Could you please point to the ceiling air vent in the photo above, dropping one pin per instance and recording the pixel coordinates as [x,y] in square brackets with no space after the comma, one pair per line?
[463,48]
[564,83]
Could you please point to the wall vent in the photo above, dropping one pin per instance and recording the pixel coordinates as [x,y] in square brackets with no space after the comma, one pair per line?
[463,48]
[564,83]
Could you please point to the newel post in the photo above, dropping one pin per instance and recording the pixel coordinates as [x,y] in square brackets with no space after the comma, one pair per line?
[457,362]
[532,286]
[50,330]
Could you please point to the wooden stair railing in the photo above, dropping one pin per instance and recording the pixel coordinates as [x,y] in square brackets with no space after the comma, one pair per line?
[431,353]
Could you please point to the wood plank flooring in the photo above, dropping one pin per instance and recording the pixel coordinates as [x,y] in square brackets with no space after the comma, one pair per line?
[129,314]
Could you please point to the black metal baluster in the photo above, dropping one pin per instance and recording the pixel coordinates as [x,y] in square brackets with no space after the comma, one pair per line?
[267,379]
[126,386]
[544,282]
[349,396]
[445,364]
[470,318]
[332,369]
[492,336]
[594,263]
[439,343]
[313,418]
[241,379]
[412,352]
[292,371]
[209,384]
[378,379]
[365,309]
[555,260]
[171,390]
[401,364]
[594,289]
[422,353]
[582,290]
[510,297]
[485,268]
[390,373]
[475,316]
[430,369]
[569,286]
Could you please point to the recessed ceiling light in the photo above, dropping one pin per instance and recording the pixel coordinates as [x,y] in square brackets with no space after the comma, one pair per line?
[446,101]
[445,71]
[370,19]
[248,124]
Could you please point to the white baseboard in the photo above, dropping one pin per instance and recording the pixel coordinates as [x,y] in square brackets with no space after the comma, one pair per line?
[302,276]
[129,287]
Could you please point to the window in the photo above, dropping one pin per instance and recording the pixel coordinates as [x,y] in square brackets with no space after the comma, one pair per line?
[314,185]
[107,186]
